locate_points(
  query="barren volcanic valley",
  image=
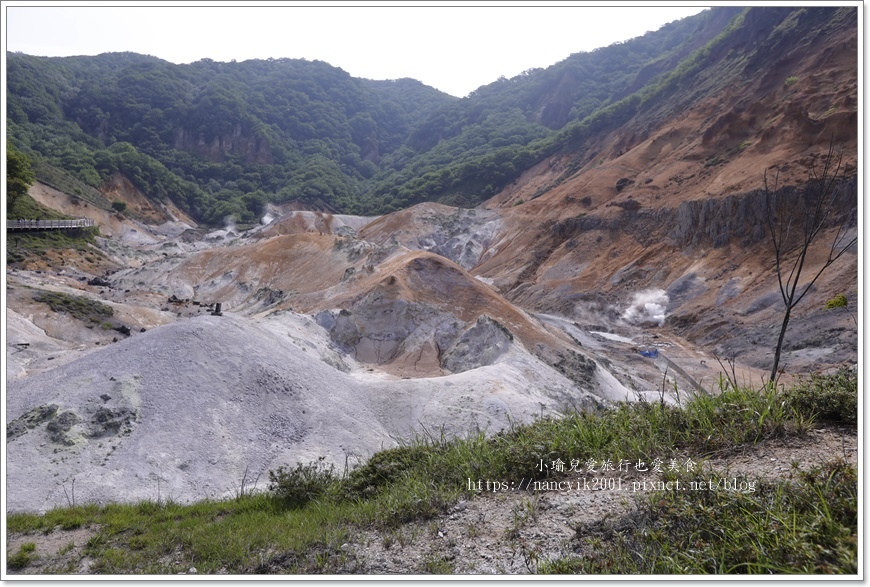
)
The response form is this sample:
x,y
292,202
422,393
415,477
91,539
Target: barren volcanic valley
x,y
175,358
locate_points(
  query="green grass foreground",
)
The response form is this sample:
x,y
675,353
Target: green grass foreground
x,y
807,524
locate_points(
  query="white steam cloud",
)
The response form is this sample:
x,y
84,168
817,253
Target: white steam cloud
x,y
270,213
647,307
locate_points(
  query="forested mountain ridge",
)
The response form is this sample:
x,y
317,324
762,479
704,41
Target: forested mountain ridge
x,y
225,139
217,138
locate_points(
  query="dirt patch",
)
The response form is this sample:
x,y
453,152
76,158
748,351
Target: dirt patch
x,y
58,552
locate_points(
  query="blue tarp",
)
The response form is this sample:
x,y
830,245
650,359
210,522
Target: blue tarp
x,y
650,353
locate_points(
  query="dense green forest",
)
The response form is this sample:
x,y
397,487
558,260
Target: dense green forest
x,y
221,139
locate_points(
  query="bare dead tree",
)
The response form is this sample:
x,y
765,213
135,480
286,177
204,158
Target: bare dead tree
x,y
796,221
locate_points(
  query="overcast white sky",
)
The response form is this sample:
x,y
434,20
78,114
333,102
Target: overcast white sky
x,y
452,46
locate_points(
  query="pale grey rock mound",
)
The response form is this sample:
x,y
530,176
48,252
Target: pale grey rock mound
x,y
187,407
187,410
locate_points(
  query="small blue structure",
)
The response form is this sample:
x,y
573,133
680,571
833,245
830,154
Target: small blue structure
x,y
650,353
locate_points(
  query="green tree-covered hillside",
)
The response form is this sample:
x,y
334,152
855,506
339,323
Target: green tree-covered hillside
x,y
222,139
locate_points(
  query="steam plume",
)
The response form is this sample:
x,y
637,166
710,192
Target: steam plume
x,y
270,212
647,307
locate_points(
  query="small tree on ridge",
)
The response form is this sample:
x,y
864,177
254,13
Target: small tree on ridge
x,y
795,221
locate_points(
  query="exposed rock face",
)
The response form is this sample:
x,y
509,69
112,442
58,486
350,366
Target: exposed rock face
x,y
463,236
109,421
379,330
59,428
69,428
739,219
254,149
576,367
718,221
743,217
480,345
31,419
623,183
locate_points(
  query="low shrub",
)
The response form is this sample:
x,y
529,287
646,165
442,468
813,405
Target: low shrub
x,y
838,301
302,484
24,557
829,398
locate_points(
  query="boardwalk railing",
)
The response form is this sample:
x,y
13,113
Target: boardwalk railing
x,y
27,224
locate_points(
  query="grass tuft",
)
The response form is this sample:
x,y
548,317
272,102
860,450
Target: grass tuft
x,y
25,556
302,484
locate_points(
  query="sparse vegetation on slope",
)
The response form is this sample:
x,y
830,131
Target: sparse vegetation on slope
x,y
26,207
90,311
23,246
813,515
806,525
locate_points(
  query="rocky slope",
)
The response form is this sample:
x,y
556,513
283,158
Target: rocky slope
x,y
670,200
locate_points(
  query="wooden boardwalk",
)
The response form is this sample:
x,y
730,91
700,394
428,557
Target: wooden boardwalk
x,y
29,224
